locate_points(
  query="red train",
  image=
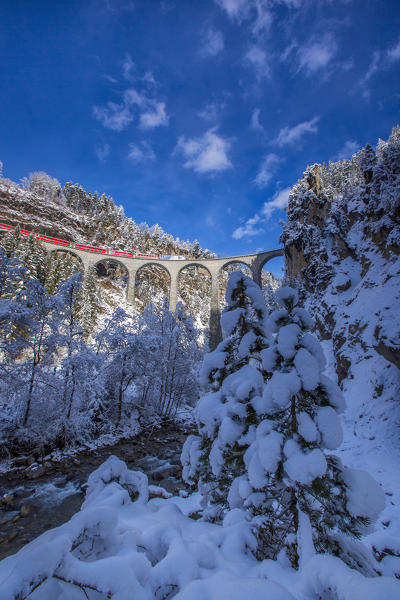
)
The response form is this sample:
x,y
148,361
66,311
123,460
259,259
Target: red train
x,y
58,242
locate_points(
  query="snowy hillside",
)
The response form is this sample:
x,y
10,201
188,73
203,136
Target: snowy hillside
x,y
342,244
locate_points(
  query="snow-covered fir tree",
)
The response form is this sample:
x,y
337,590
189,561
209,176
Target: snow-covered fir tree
x,y
292,479
90,301
225,415
265,433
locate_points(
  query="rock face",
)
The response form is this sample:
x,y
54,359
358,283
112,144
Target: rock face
x,y
342,244
342,240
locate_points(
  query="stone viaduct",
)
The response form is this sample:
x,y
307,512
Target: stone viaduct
x,y
213,265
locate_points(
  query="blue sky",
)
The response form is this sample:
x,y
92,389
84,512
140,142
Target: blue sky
x,y
198,115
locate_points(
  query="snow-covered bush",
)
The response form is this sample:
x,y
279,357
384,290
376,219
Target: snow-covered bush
x,y
121,545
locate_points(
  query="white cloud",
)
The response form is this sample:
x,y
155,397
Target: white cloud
x,y
288,50
141,153
394,52
134,100
257,12
212,43
348,149
250,229
257,58
102,152
236,9
205,154
374,66
256,225
113,116
316,55
155,117
380,61
267,170
278,202
290,135
255,121
131,96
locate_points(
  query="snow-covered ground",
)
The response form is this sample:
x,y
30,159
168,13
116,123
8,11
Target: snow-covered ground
x,y
122,545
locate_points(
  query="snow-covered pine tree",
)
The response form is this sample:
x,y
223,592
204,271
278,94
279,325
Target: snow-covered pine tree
x,y
90,301
33,255
10,241
60,266
225,415
291,483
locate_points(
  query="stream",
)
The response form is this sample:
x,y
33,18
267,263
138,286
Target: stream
x,y
29,506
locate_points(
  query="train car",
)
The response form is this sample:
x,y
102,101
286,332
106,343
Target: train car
x,y
86,248
6,227
147,256
52,240
90,248
121,253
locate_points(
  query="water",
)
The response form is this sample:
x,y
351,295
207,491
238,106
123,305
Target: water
x,y
54,497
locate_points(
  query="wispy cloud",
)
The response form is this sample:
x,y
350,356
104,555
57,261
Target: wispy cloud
x,y
291,135
347,150
141,153
256,12
278,202
255,121
128,68
113,116
256,225
154,117
206,154
267,169
250,229
102,152
316,55
212,111
256,57
137,102
212,43
394,52
380,60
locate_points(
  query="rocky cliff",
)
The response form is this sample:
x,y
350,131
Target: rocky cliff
x,y
342,241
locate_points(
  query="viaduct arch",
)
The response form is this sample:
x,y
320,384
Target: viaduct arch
x,y
213,265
